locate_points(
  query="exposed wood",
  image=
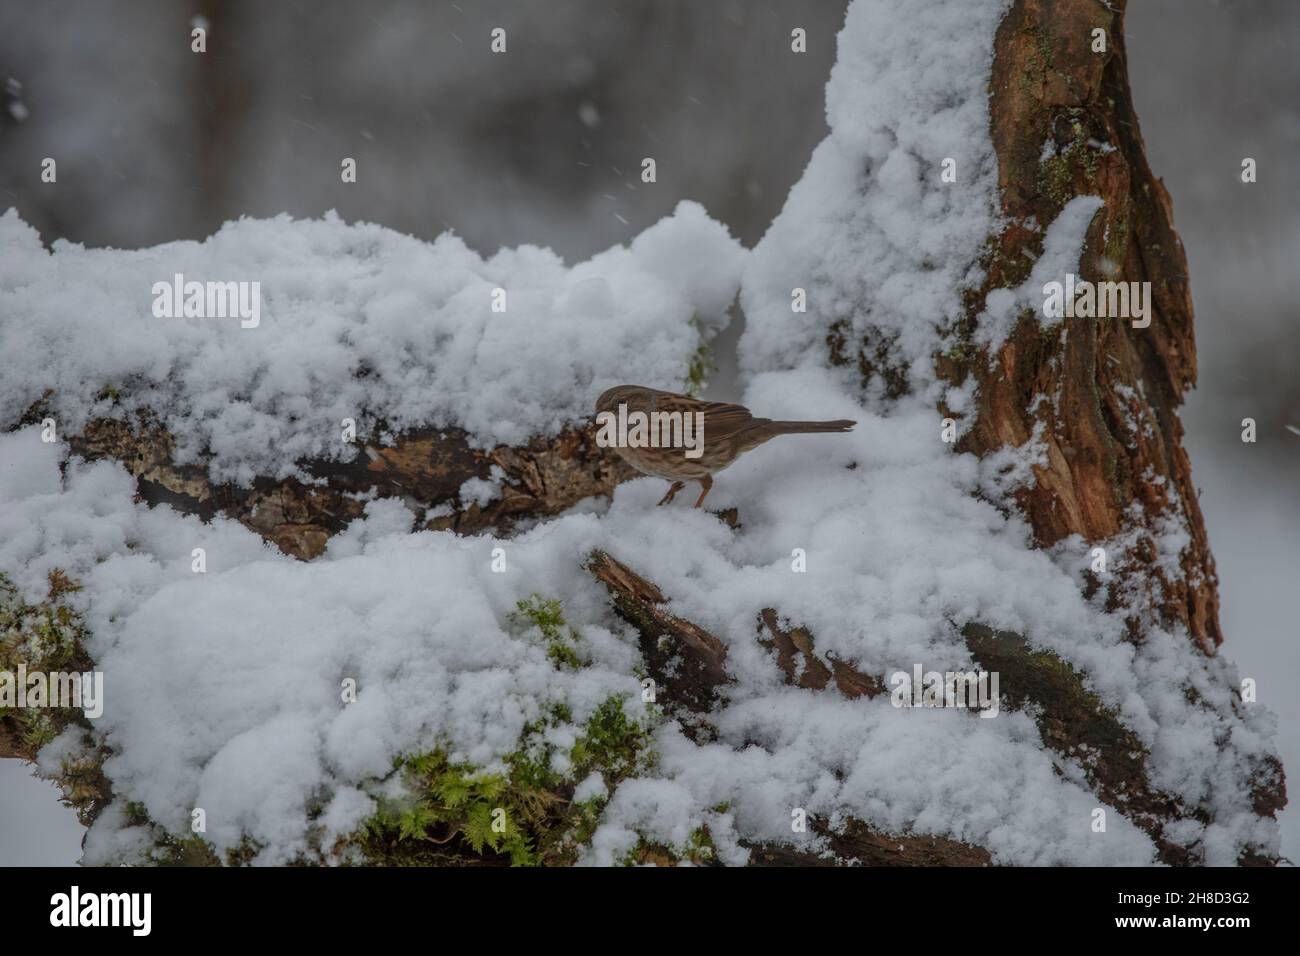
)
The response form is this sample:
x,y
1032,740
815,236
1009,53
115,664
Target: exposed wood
x,y
1111,426
425,468
858,843
803,668
687,663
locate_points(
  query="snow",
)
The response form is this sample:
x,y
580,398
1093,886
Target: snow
x,y
337,299
871,231
1062,246
590,788
223,688
898,546
39,829
482,491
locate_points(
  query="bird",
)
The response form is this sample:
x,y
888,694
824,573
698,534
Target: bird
x,y
728,432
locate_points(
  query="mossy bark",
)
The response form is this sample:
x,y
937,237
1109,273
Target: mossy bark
x,y
424,468
1111,427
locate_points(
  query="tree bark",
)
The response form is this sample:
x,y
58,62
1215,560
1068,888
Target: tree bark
x,y
1050,86
425,468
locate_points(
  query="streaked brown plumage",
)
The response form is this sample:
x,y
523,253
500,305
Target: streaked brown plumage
x,y
729,432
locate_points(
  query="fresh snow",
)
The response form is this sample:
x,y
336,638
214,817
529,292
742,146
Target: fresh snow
x,y
871,231
223,688
337,300
1062,246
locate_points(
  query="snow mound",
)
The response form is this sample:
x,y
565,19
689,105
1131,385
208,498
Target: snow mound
x,y
356,321
872,232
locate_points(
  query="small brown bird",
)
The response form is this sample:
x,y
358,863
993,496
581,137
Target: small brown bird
x,y
728,432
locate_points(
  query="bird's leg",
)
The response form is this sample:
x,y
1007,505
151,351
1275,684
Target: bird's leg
x,y
705,484
675,487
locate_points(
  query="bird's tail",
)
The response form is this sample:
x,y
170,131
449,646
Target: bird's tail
x,y
790,428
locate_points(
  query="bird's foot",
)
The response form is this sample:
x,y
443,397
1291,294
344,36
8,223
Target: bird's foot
x,y
675,487
706,483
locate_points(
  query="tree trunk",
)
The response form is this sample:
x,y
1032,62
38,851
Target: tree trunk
x,y
1106,379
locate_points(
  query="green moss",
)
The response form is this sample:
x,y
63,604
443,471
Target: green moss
x,y
701,365
135,814
562,642
1058,179
455,800
191,850
961,352
48,636
1040,61
453,812
698,849
188,850
611,741
1074,168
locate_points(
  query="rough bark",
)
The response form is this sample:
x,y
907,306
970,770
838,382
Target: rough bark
x,y
425,468
795,656
685,661
1074,723
867,847
1106,379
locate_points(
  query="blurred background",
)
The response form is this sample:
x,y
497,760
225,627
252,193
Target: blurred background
x,y
544,144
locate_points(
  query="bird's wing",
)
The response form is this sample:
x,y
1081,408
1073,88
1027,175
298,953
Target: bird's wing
x,y
722,419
